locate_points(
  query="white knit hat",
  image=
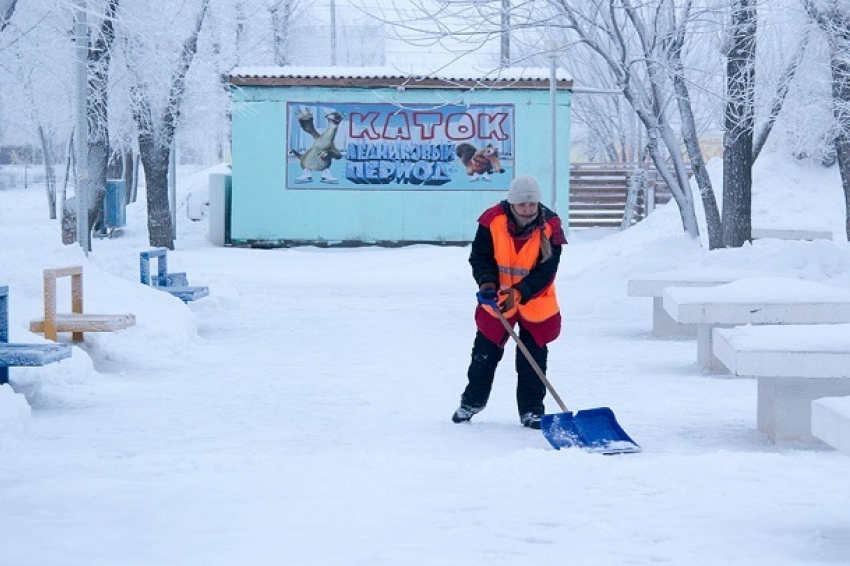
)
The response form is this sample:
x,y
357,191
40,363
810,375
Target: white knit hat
x,y
524,189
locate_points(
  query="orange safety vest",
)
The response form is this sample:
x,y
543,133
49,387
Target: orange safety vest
x,y
515,265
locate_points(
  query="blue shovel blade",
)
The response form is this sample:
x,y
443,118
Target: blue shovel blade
x,y
595,430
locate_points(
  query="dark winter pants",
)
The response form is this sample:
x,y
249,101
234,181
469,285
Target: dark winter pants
x,y
486,355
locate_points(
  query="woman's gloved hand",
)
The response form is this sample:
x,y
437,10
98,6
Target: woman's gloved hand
x,y
486,295
510,298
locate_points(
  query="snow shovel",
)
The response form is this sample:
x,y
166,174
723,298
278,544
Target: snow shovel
x,y
595,430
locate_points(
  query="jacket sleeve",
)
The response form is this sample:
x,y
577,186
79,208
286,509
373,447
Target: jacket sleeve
x,y
482,259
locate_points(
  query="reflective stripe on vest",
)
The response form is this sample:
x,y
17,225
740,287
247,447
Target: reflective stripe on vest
x,y
517,271
515,265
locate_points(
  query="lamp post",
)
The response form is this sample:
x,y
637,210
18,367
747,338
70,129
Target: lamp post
x,y
333,33
553,116
81,49
506,33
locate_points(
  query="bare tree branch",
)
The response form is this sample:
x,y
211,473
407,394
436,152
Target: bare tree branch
x,y
7,8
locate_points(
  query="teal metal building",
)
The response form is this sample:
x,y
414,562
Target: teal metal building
x,y
340,156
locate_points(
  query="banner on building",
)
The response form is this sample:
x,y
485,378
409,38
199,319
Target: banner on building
x,y
388,147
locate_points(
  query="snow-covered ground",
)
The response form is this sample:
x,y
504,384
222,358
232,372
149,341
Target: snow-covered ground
x,y
300,413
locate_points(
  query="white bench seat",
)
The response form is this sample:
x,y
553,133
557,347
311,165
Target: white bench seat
x,y
790,234
831,422
653,285
794,365
757,300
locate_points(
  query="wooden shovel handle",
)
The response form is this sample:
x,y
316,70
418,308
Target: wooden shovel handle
x,y
531,360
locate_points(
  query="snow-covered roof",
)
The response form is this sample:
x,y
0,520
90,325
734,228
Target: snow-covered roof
x,y
512,77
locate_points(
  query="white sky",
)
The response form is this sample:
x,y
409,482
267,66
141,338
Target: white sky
x,y
300,413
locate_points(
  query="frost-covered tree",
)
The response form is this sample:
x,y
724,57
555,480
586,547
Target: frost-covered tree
x,y
34,75
46,135
665,58
833,17
158,60
281,12
102,19
739,124
633,40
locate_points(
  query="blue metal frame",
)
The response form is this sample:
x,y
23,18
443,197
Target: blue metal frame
x,y
23,354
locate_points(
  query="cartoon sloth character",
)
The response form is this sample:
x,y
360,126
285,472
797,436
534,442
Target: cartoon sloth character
x,y
323,150
480,163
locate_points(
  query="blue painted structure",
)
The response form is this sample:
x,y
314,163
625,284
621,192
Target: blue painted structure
x,y
176,284
23,355
268,209
115,204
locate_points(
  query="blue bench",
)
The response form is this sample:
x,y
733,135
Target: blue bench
x,y
23,355
175,283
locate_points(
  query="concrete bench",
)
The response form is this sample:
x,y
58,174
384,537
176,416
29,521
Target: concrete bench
x,y
757,300
176,284
23,355
794,365
653,285
76,322
790,234
831,422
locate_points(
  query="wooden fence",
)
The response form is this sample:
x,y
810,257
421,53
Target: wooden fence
x,y
613,194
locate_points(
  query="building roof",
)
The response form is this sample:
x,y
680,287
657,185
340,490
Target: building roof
x,y
512,77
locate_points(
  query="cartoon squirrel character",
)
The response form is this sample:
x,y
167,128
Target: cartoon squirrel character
x,y
480,163
323,150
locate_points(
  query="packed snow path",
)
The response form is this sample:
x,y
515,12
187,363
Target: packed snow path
x,y
310,425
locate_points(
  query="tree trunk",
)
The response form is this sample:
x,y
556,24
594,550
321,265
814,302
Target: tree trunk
x,y
69,205
689,134
69,221
649,103
98,159
835,23
134,190
739,119
155,162
839,63
685,204
281,16
97,109
69,155
156,136
49,174
128,171
842,148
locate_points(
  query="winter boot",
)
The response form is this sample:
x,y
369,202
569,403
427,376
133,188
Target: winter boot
x,y
531,420
464,413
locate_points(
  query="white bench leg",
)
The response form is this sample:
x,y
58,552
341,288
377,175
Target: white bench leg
x,y
663,325
831,426
705,352
785,405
